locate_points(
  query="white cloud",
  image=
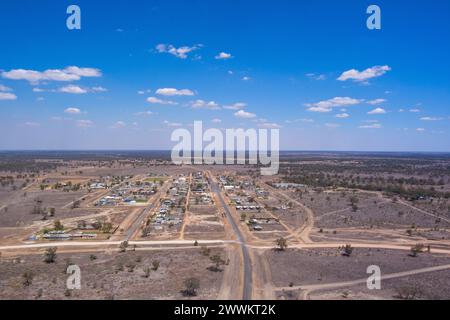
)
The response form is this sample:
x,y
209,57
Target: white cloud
x,y
72,89
377,111
376,101
172,124
332,125
216,120
362,76
420,129
327,105
268,125
431,118
201,104
7,96
84,123
244,114
83,72
342,115
98,89
246,78
315,76
235,106
181,52
72,111
4,88
371,126
72,73
174,92
223,56
414,110
155,100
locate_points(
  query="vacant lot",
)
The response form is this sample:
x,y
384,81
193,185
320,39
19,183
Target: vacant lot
x,y
111,276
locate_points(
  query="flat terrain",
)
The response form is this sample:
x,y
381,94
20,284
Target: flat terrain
x,y
309,232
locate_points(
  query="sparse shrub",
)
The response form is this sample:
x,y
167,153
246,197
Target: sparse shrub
x,y
123,246
50,255
281,244
191,287
27,278
416,249
347,250
146,272
155,265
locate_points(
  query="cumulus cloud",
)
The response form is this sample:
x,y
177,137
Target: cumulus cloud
x,y
72,73
72,111
377,111
414,110
376,101
72,89
235,106
174,92
342,115
4,88
246,78
327,105
223,56
181,52
216,120
362,76
155,100
201,104
7,96
420,129
244,114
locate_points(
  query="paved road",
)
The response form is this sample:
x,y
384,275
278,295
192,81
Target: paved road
x,y
247,294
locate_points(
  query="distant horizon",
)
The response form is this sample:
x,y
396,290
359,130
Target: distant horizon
x,y
168,150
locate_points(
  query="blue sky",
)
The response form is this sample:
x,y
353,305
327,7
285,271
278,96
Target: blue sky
x,y
137,70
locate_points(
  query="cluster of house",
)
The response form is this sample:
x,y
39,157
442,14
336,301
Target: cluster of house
x,y
169,213
200,190
227,183
129,194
